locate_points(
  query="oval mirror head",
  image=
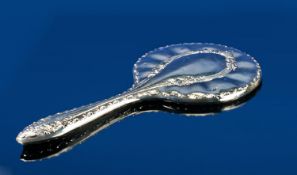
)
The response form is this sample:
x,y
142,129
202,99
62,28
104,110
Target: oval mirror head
x,y
197,73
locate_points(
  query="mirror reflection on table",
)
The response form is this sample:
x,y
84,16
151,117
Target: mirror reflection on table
x,y
57,146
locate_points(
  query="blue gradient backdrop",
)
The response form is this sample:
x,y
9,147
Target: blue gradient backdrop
x,y
55,55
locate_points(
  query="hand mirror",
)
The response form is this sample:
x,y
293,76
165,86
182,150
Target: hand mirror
x,y
184,74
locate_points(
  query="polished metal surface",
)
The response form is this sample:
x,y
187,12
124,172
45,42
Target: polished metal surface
x,y
185,74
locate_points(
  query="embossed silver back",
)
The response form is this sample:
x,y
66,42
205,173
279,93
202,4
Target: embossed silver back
x,y
187,74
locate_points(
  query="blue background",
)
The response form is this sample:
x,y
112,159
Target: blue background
x,y
55,55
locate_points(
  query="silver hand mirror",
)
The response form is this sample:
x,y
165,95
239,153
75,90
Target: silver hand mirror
x,y
183,74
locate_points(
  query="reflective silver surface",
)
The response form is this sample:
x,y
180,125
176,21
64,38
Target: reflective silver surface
x,y
187,74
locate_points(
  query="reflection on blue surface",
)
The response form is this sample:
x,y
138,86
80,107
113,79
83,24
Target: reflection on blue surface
x,y
54,54
56,146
